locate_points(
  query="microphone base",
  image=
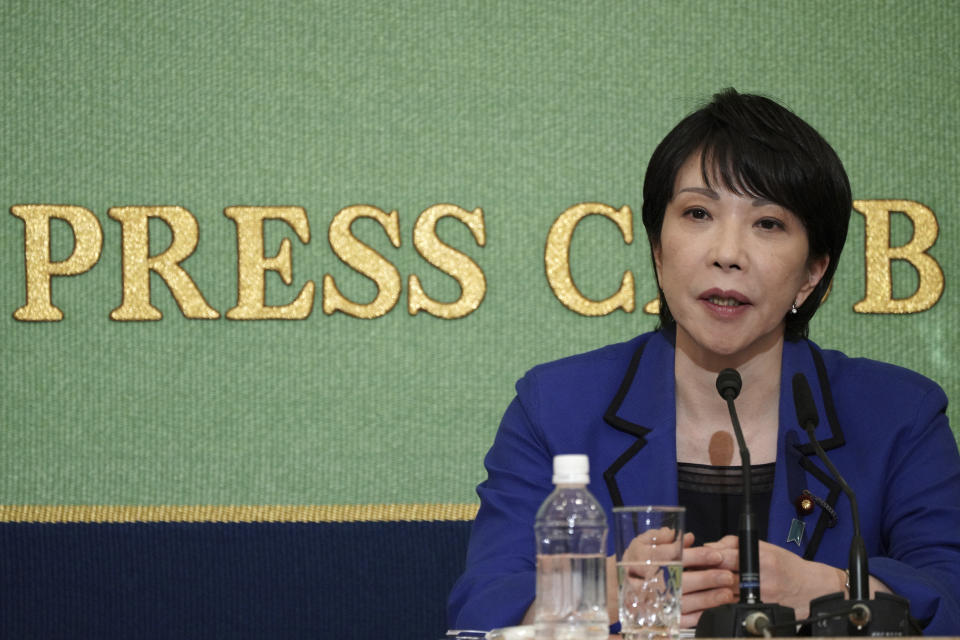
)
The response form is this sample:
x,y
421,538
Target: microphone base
x,y
889,615
731,620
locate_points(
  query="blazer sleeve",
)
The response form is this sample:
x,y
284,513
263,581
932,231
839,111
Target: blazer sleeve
x,y
499,583
921,559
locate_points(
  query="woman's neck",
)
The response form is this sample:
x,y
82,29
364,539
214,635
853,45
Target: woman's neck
x,y
704,431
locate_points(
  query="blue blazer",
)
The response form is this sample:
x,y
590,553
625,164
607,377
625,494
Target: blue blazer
x,y
884,427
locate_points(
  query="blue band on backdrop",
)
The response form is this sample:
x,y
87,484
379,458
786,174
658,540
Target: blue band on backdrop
x,y
228,580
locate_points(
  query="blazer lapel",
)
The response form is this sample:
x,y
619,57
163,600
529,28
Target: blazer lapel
x,y
644,407
796,470
646,472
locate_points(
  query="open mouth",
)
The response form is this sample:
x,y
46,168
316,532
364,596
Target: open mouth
x,y
724,302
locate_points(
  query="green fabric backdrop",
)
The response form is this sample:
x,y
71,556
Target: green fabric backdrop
x,y
521,109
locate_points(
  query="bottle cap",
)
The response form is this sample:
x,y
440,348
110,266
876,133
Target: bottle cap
x,y
571,469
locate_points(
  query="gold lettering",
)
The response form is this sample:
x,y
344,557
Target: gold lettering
x,y
652,307
252,264
87,243
557,260
473,284
879,255
364,260
137,263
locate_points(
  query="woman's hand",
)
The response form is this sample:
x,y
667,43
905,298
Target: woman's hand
x,y
709,577
785,577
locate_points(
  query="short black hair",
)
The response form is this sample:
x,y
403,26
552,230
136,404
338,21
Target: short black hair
x,y
757,147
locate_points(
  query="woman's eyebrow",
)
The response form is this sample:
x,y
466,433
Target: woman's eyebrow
x,y
710,193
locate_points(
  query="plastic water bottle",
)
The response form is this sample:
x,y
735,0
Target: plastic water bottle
x,y
571,531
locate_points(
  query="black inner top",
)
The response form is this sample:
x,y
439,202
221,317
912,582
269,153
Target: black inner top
x,y
713,497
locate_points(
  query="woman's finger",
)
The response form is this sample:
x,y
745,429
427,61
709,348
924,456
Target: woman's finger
x,y
705,580
702,557
694,604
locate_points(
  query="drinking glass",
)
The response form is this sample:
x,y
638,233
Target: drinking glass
x,y
649,543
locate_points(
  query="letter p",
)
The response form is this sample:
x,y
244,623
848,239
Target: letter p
x,y
88,241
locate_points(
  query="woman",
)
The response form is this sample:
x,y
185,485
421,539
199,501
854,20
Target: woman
x,y
746,208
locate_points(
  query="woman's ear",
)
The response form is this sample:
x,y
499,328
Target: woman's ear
x,y
816,267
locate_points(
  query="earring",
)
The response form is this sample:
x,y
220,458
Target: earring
x,y
793,309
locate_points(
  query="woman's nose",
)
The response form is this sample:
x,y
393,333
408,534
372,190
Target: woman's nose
x,y
728,248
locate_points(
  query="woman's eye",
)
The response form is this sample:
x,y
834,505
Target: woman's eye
x,y
770,224
697,213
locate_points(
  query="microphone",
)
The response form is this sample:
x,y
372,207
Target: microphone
x,y
808,418
892,617
729,385
750,616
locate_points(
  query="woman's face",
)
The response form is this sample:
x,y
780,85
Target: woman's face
x,y
730,267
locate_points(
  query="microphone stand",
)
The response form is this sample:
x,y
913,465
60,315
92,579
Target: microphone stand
x,y
832,614
750,616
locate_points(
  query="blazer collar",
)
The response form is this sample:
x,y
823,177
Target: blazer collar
x,y
646,398
645,407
